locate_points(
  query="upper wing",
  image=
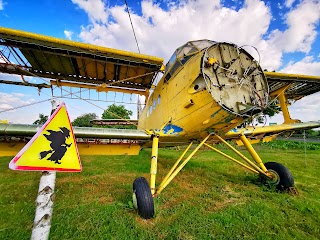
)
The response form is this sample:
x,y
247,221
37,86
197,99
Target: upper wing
x,y
59,59
297,85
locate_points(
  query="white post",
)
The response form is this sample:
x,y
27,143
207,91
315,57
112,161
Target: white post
x,y
44,202
44,208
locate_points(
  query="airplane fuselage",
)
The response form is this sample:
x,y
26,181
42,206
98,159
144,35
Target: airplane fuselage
x,y
211,91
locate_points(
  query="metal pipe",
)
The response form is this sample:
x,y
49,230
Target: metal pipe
x,y
231,158
172,176
252,152
175,165
284,108
154,163
242,156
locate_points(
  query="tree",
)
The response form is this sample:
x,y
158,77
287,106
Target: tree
x,y
84,120
116,112
42,119
272,109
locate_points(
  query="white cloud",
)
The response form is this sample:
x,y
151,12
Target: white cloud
x,y
1,4
305,109
5,106
95,8
14,99
301,32
160,32
68,34
306,66
289,3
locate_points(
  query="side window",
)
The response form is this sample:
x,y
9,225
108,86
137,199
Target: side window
x,y
168,76
159,99
154,104
150,110
175,67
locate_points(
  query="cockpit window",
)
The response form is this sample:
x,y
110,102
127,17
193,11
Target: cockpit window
x,y
186,49
171,61
183,54
201,44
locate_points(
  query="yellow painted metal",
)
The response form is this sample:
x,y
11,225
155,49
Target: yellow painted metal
x,y
252,141
269,138
178,169
250,131
276,93
288,76
154,163
231,158
175,94
241,155
212,61
100,88
37,38
280,94
108,149
175,165
163,67
12,148
285,110
252,152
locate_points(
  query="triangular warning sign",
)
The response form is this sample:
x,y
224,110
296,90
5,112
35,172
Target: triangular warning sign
x,y
53,148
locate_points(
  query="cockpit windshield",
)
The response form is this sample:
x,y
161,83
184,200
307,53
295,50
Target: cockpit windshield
x,y
183,54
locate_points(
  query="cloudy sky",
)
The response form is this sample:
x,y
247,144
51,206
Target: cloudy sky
x,y
286,34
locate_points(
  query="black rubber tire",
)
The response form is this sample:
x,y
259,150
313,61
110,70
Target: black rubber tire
x,y
145,204
286,180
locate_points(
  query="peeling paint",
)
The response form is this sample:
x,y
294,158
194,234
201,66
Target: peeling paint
x,y
171,129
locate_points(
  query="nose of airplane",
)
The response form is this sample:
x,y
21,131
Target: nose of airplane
x,y
234,79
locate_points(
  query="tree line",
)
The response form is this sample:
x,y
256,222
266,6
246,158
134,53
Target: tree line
x,y
112,112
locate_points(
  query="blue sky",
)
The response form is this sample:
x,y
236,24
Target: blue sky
x,y
286,33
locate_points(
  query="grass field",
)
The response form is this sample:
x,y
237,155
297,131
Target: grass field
x,y
212,198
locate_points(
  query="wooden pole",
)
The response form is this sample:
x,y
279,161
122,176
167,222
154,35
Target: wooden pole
x,y
44,206
44,201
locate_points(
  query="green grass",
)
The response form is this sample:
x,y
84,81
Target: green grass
x,y
211,198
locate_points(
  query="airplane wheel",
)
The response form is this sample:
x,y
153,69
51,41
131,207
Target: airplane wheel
x,y
283,178
142,198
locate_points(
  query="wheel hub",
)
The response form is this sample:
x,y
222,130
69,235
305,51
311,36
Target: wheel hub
x,y
134,200
274,177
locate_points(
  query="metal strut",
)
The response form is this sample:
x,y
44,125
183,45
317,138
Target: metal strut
x,y
175,169
260,169
154,163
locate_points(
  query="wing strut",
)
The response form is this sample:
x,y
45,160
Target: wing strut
x,y
280,94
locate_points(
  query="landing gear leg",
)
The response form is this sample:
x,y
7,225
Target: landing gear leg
x,y
143,193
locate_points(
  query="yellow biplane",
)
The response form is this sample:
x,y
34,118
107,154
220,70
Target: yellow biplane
x,y
208,89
